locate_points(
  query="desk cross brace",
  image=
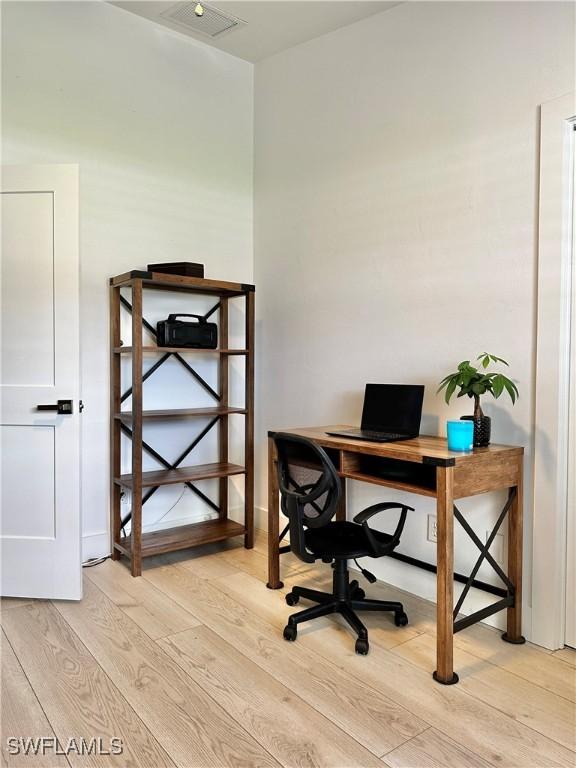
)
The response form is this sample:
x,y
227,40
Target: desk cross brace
x,y
508,594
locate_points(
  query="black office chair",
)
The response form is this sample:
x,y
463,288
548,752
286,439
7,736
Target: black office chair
x,y
310,494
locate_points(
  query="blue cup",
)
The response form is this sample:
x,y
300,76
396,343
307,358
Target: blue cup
x,y
460,435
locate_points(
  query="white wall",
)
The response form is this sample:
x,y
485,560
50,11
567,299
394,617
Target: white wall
x,y
395,216
162,129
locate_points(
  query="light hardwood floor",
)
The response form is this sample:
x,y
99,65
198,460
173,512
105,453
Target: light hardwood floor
x,y
187,666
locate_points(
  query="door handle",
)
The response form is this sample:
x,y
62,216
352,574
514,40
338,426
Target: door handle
x,y
62,406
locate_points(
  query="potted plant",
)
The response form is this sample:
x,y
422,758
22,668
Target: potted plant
x,y
476,382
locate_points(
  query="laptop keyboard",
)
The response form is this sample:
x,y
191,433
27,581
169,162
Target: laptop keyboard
x,y
380,435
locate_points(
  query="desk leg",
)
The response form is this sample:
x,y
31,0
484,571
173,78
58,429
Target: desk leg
x,y
513,632
445,577
273,521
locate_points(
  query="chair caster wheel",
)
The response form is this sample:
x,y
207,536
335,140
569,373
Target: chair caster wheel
x,y
362,646
290,632
400,619
292,599
359,594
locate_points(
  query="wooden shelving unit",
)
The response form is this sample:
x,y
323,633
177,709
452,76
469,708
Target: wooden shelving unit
x,y
142,485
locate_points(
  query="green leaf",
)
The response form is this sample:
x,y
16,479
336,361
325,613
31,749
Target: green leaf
x,y
450,390
497,385
445,381
510,388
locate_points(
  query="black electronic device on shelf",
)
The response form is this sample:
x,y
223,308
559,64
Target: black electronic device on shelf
x,y
179,333
183,268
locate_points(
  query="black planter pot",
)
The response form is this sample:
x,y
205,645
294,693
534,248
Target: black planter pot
x,y
482,428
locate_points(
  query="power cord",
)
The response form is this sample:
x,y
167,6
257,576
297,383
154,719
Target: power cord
x,y
159,520
178,500
92,561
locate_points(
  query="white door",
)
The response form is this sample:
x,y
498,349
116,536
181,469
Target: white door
x,y
40,449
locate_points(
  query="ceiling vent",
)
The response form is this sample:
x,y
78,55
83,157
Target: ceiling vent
x,y
211,23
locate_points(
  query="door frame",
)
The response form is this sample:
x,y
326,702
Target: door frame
x,y
570,601
551,416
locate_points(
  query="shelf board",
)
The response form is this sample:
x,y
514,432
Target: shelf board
x,y
184,536
178,413
164,281
153,350
182,474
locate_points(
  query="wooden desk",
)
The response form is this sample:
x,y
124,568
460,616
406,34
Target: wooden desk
x,y
426,467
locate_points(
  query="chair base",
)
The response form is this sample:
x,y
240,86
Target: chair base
x,y
346,598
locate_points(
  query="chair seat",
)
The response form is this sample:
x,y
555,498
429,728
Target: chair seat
x,y
339,540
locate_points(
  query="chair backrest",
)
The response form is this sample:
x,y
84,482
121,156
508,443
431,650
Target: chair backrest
x,y
309,486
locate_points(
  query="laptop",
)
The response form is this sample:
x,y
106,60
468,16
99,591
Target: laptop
x,y
391,412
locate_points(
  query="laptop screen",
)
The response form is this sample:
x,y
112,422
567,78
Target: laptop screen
x,y
393,408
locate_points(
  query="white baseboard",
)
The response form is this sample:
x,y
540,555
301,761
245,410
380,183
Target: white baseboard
x,y
260,517
95,545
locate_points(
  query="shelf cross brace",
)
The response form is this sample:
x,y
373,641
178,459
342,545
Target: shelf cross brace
x,y
210,312
151,330
167,465
146,375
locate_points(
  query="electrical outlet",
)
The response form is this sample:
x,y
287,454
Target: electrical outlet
x,y
432,528
497,547
125,498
